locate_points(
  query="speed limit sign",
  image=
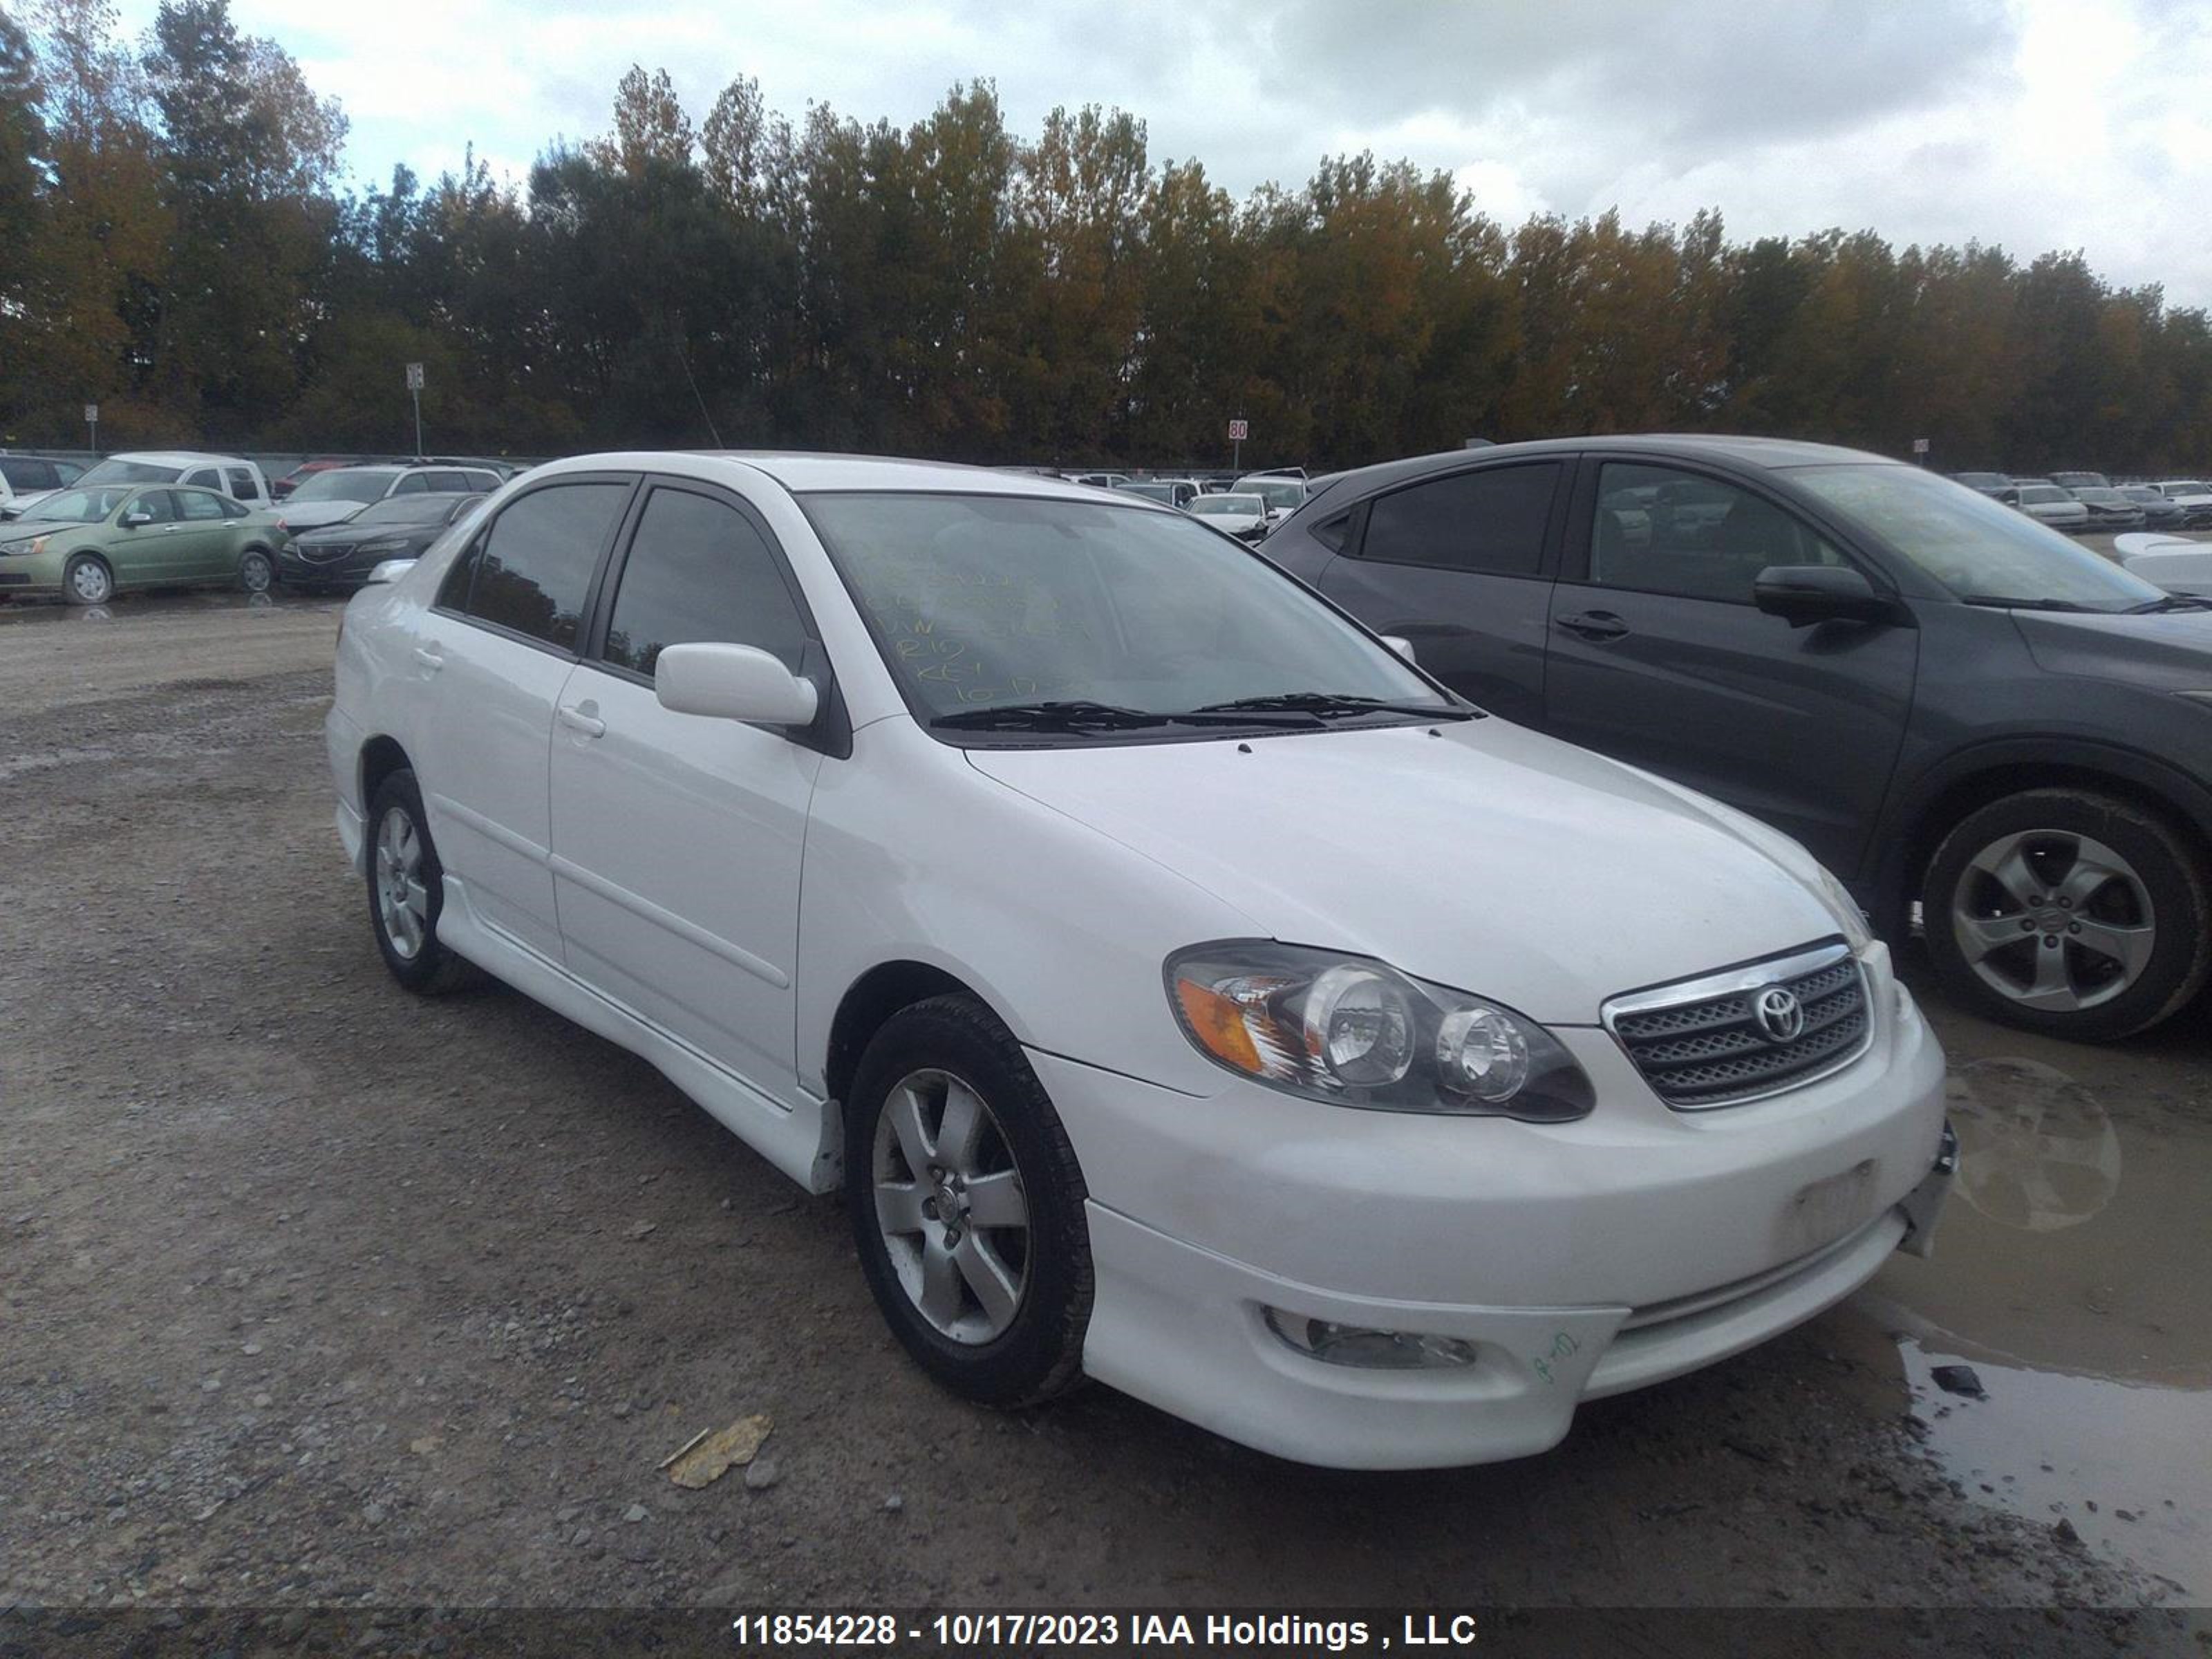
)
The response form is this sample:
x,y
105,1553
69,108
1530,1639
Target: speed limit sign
x,y
1239,431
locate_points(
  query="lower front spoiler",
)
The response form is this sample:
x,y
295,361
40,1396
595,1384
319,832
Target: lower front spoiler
x,y
1186,1330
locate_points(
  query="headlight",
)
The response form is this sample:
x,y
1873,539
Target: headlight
x,y
387,544
1856,932
1354,1032
31,549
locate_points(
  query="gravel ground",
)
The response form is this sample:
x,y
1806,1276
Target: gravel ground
x,y
313,1294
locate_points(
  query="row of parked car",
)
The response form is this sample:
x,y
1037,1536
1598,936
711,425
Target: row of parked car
x,y
1246,506
170,519
2084,501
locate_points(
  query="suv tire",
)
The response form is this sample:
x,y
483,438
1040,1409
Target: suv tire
x,y
2068,912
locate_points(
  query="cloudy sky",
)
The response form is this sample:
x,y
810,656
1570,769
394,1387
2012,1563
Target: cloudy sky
x,y
2035,123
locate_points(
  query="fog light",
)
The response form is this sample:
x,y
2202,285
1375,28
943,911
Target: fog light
x,y
1362,1346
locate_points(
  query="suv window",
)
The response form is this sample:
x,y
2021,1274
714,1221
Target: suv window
x,y
199,507
1492,521
698,570
1658,531
535,568
411,484
23,472
242,484
206,478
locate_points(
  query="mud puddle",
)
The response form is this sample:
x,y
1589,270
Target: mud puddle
x,y
2072,1275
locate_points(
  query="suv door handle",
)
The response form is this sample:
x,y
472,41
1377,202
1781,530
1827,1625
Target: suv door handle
x,y
576,720
430,659
1599,625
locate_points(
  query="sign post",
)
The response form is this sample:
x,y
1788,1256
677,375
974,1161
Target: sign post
x,y
414,390
1920,451
1239,430
92,427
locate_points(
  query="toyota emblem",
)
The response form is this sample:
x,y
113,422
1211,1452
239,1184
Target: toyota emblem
x,y
1780,1015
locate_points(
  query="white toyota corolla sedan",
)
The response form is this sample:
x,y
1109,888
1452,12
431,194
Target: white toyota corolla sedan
x,y
1183,988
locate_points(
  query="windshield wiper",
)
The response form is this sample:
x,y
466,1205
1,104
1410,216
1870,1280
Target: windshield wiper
x,y
2171,602
2004,603
1326,703
1080,714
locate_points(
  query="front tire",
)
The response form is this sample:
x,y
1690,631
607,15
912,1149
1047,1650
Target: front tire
x,y
407,890
88,581
2071,913
966,1204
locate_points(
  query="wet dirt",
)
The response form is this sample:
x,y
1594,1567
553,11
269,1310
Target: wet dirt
x,y
2074,1275
314,1294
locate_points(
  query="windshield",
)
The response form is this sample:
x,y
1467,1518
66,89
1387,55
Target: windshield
x,y
2102,498
1276,492
981,601
2186,487
131,472
345,484
1230,506
2044,493
1986,480
1975,547
78,506
1150,492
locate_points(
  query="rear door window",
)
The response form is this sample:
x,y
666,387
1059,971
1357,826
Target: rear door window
x,y
198,506
243,484
534,573
1492,521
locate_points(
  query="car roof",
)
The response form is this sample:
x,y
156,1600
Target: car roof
x,y
1775,454
173,457
802,472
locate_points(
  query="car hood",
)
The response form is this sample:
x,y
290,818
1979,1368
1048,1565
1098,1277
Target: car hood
x,y
2172,648
1486,857
311,515
352,533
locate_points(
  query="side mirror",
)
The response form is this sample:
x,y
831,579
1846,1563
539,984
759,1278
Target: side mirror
x,y
1401,645
1803,594
732,683
136,520
388,570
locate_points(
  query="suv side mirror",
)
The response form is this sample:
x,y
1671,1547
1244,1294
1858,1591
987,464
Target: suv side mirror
x,y
1803,594
136,519
732,683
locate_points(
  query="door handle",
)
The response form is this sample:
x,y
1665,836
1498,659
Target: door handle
x,y
577,720
430,659
1600,625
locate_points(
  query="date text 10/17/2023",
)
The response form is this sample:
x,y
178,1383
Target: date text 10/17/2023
x,y
1241,1632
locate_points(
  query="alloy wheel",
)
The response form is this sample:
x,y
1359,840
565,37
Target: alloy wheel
x,y
2053,920
950,1206
403,903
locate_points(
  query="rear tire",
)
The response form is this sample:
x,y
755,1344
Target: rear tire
x,y
257,573
982,1270
407,892
2071,913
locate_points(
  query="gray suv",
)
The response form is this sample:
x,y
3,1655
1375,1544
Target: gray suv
x,y
1945,701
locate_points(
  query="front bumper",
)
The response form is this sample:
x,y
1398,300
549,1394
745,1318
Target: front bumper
x,y
1577,1260
347,570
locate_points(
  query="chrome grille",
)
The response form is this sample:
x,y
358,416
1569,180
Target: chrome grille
x,y
1699,1043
